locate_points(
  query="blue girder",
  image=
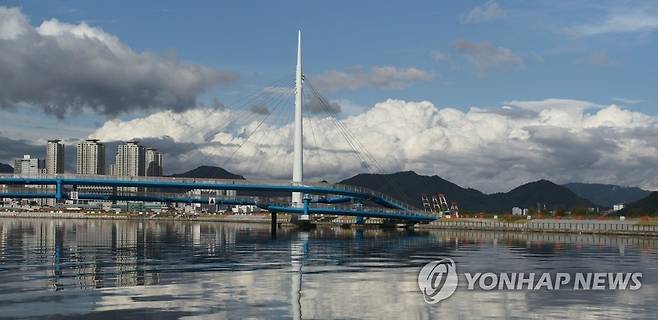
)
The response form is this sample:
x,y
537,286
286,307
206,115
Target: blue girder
x,y
341,193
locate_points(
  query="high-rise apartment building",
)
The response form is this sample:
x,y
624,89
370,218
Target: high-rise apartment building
x,y
130,159
111,170
91,157
55,157
153,162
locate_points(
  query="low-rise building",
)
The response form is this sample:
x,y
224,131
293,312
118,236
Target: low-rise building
x,y
28,166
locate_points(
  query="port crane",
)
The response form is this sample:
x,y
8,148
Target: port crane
x,y
439,205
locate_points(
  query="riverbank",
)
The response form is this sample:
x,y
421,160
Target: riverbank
x,y
629,227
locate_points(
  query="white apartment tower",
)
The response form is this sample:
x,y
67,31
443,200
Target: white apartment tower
x,y
91,157
55,157
153,162
130,159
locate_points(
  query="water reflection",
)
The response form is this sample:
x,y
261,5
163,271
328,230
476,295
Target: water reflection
x,y
85,268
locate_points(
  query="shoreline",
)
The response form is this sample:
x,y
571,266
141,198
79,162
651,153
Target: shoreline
x,y
630,227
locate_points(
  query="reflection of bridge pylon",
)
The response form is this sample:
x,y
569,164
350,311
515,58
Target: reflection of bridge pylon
x,y
299,251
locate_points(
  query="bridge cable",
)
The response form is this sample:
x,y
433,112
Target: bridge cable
x,y
317,148
249,101
252,133
357,146
241,117
261,136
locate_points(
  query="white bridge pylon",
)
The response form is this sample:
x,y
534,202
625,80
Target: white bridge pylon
x,y
298,159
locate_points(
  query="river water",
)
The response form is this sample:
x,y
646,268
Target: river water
x,y
102,269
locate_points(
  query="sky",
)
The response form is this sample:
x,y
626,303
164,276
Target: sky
x,y
488,94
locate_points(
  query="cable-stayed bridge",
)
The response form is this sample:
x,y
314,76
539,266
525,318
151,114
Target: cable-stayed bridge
x,y
318,198
307,198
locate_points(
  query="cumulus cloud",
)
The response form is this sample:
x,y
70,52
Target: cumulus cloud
x,y
386,77
626,20
484,57
492,149
67,68
189,126
489,11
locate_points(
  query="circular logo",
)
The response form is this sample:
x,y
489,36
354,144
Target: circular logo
x,y
437,280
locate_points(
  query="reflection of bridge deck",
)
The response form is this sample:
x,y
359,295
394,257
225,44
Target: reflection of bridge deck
x,y
331,195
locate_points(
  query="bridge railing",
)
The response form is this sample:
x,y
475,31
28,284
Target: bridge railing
x,y
341,187
373,209
352,207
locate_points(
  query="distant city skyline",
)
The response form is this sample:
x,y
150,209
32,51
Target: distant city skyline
x,y
129,159
489,94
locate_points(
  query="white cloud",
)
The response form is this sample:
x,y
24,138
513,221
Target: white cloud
x,y
485,57
626,101
492,149
12,24
188,126
489,11
66,68
550,104
350,108
638,19
386,77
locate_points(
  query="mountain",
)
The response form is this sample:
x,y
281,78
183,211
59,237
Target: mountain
x,y
409,186
5,168
607,195
543,192
645,206
211,172
208,172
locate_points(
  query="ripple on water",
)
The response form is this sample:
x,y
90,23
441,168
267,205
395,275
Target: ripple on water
x,y
105,269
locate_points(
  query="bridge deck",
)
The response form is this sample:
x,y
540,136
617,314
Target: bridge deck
x,y
401,210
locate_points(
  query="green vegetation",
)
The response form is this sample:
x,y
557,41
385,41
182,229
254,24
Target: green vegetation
x,y
647,206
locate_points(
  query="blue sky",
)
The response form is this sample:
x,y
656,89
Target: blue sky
x,y
489,94
256,39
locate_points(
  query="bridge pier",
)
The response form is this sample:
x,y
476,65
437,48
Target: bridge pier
x,y
307,201
297,219
58,191
273,224
114,195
